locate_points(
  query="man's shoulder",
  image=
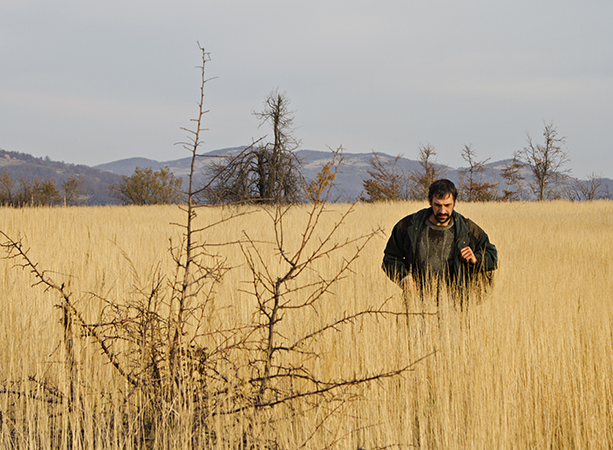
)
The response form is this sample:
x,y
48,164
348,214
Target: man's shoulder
x,y
416,217
472,227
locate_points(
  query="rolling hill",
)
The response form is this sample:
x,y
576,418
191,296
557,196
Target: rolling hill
x,y
97,179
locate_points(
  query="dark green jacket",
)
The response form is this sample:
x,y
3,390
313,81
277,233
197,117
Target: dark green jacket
x,y
399,258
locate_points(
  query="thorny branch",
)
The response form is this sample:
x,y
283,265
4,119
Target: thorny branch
x,y
334,385
15,250
159,338
275,297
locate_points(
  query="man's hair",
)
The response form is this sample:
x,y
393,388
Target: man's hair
x,y
441,189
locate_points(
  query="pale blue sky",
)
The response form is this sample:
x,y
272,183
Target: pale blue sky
x,y
92,82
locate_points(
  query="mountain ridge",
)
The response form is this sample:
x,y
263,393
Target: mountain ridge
x,y
352,173
98,178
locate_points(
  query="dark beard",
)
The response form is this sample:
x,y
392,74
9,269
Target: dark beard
x,y
441,218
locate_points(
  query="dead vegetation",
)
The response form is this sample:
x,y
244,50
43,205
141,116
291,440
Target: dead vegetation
x,y
176,368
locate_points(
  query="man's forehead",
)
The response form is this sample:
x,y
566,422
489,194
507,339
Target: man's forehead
x,y
443,200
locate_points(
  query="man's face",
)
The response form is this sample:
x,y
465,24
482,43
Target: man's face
x,y
442,207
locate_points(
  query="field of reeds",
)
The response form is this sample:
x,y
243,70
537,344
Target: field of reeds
x,y
529,367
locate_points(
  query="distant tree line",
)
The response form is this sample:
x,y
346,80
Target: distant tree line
x,y
24,169
269,172
544,163
22,191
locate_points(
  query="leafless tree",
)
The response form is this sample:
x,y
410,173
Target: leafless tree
x,y
472,186
74,191
6,188
589,189
546,162
511,173
385,183
179,373
151,336
283,291
268,173
420,180
317,190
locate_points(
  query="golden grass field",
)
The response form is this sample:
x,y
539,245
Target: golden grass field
x,y
529,368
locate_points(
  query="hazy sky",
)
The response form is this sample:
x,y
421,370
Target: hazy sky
x,y
95,81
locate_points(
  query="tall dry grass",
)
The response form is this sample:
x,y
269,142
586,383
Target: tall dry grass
x,y
531,367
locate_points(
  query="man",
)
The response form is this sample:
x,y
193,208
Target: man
x,y
438,246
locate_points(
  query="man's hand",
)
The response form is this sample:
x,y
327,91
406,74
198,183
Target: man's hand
x,y
467,255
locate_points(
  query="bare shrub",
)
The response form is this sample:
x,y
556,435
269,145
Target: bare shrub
x,y
589,189
421,179
546,163
513,177
472,186
317,190
180,376
384,182
261,173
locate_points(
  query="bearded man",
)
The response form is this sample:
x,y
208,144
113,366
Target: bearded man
x,y
439,247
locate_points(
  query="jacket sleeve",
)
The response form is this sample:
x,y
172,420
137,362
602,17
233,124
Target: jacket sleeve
x,y
485,252
394,256
489,258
